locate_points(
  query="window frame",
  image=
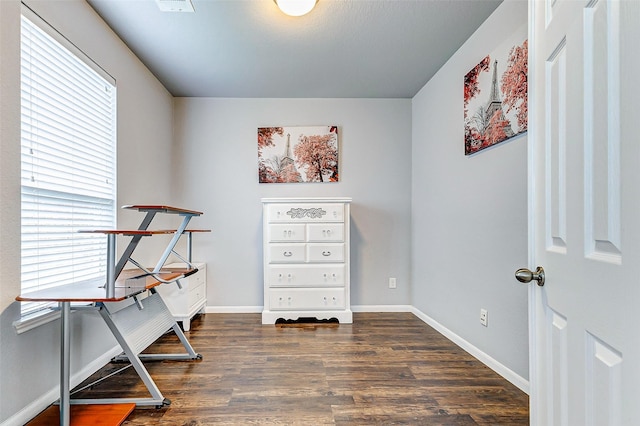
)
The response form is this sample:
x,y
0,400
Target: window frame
x,y
47,312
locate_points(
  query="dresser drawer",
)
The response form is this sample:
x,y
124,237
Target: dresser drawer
x,y
325,232
287,232
320,299
185,302
198,278
329,252
305,212
305,276
196,295
287,253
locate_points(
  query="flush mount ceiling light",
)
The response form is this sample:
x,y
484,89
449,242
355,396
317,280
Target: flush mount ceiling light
x,y
296,7
175,5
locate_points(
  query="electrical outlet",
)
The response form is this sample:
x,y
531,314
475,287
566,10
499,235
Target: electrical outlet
x,y
392,283
484,317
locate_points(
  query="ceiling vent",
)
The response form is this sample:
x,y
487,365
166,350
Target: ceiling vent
x,y
175,5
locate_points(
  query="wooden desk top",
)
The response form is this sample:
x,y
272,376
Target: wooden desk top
x,y
144,233
129,232
94,291
162,209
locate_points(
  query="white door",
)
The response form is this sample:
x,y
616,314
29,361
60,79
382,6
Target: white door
x,y
584,159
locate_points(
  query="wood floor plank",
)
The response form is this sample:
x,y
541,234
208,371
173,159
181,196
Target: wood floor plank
x,y
385,368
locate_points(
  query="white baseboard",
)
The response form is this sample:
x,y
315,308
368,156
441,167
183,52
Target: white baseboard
x,y
382,308
36,407
258,309
515,379
233,309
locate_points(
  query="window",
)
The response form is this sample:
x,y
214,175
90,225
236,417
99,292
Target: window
x,y
68,138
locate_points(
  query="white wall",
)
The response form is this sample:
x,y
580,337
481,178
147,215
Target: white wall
x,y
216,156
29,362
470,213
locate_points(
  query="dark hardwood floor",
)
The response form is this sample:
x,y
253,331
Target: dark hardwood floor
x,y
385,368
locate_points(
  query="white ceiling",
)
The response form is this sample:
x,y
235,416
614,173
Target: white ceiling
x,y
342,49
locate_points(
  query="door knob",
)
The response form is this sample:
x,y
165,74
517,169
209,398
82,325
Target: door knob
x,y
524,275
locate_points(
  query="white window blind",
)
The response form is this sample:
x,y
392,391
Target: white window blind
x,y
68,128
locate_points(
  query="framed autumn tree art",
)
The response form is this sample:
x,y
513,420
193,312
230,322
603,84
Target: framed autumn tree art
x,y
495,96
298,154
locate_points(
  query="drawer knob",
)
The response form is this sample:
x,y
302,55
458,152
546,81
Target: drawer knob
x,y
287,254
326,253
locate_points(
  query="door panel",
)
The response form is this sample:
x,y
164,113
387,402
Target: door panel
x,y
558,371
585,165
602,130
556,141
604,383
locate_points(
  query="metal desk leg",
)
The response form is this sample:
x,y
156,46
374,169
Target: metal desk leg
x,y
65,362
173,242
111,266
133,243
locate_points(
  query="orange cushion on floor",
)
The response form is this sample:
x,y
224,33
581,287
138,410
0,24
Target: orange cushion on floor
x,y
95,414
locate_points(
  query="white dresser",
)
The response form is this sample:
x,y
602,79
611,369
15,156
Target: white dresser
x,y
187,301
306,259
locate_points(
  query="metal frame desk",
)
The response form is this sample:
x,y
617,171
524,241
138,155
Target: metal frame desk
x,y
134,326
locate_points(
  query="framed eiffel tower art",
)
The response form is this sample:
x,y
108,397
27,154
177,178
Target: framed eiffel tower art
x,y
298,154
495,96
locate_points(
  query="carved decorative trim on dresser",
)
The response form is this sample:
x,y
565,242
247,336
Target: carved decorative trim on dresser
x,y
306,259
